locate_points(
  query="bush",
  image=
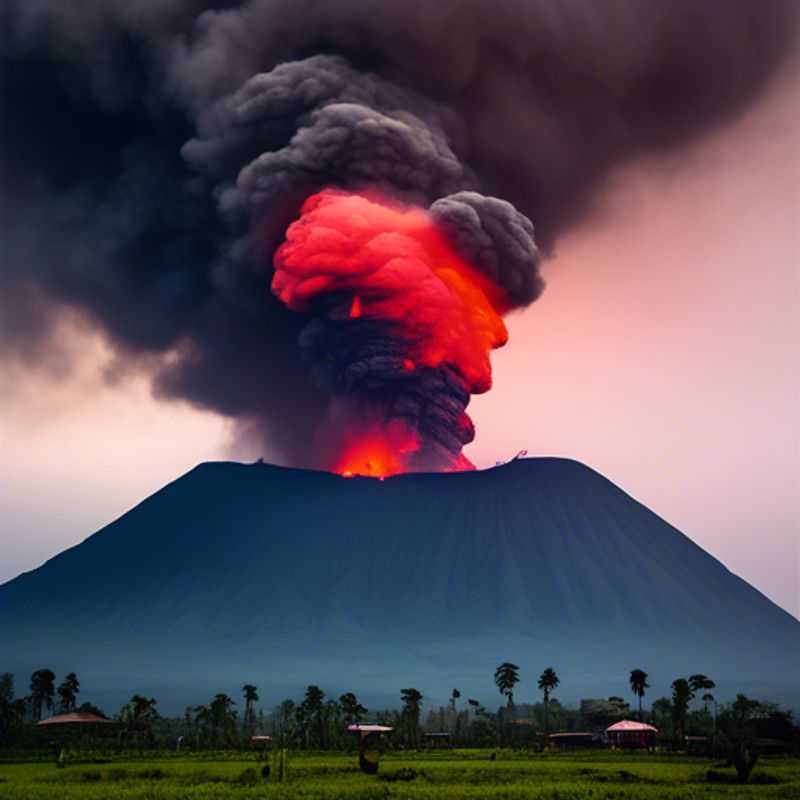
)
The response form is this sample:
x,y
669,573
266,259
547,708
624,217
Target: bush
x,y
248,778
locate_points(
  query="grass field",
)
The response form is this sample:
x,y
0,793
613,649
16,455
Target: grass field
x,y
457,774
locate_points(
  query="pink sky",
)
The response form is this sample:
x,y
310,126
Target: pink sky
x,y
664,353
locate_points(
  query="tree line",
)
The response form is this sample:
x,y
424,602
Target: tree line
x,y
317,721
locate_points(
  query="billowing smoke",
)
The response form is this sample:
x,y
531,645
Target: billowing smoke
x,y
403,327
154,154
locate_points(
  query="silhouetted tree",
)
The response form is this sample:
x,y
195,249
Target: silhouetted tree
x,y
506,677
12,710
739,732
698,683
332,724
681,697
454,695
638,681
352,710
42,691
548,681
284,722
312,716
250,693
68,692
412,706
222,715
139,715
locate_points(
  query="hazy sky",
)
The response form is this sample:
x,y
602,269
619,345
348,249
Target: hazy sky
x,y
664,353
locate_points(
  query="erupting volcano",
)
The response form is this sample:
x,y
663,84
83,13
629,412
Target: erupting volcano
x,y
401,330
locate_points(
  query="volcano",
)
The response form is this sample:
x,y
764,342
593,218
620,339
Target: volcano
x,y
254,573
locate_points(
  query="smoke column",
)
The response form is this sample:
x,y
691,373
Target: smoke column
x,y
405,328
168,168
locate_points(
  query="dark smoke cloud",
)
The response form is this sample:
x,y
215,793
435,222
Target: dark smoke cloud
x,y
492,235
139,141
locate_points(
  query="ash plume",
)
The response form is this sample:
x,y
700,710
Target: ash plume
x,y
153,155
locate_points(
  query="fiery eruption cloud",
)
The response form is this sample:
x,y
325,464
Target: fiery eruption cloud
x,y
401,330
154,162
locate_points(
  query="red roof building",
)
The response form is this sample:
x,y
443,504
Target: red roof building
x,y
629,733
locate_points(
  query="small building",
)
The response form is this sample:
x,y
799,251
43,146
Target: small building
x,y
437,741
79,725
568,741
369,745
629,733
258,740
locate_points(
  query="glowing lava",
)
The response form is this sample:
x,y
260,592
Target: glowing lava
x,y
377,452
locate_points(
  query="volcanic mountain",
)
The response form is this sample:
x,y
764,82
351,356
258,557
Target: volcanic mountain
x,y
255,573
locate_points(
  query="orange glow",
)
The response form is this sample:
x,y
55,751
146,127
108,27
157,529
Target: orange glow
x,y
355,308
377,452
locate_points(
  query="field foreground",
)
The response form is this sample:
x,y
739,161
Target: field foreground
x,y
457,774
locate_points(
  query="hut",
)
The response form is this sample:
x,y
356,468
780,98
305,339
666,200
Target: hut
x,y
258,741
369,745
629,733
78,726
76,721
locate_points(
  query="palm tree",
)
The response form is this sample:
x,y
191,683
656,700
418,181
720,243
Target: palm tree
x,y
548,681
352,710
250,693
681,697
412,705
506,677
222,716
453,697
700,682
68,692
42,691
139,715
312,708
638,681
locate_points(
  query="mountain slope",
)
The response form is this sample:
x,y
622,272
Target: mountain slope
x,y
238,572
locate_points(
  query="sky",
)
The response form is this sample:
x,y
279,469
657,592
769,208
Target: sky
x,y
663,354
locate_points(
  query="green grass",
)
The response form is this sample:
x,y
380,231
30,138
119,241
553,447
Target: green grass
x,y
458,774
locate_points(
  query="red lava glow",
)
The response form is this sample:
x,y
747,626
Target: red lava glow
x,y
377,452
399,267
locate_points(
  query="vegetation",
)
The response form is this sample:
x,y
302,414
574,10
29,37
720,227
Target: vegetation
x,y
42,691
473,774
638,682
68,693
735,736
548,681
506,677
